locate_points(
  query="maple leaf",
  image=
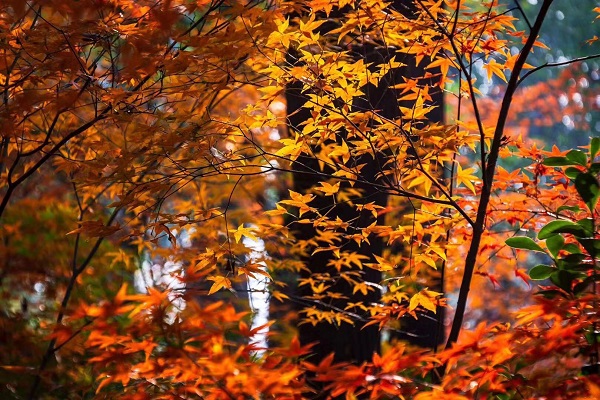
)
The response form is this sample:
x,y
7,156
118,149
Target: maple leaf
x,y
241,231
328,188
334,249
95,229
280,295
220,282
537,43
282,26
143,116
279,210
466,177
425,298
510,63
371,207
299,200
381,265
292,148
62,334
295,349
421,179
444,63
419,110
341,151
159,228
361,287
494,68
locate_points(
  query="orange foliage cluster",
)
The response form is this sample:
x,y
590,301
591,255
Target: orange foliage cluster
x,y
145,170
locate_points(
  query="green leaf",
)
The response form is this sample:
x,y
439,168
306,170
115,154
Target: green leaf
x,y
563,279
588,188
519,365
577,157
594,168
594,147
568,208
592,246
541,272
523,242
572,248
592,337
570,261
583,285
588,225
572,172
561,226
581,269
555,243
557,162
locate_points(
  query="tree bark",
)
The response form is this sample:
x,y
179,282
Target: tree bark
x,y
353,343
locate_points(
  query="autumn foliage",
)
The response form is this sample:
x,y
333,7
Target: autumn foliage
x,y
147,168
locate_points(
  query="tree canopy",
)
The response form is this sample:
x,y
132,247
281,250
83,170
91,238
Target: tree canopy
x,y
217,199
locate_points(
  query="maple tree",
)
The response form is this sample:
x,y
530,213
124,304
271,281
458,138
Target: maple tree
x,y
151,176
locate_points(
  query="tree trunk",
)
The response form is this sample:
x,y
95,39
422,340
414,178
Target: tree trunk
x,y
353,343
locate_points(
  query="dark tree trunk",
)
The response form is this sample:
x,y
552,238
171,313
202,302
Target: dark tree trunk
x,y
352,343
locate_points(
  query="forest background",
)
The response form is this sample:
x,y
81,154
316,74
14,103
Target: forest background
x,y
299,199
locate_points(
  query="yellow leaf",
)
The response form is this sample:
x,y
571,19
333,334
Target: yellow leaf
x,y
427,304
382,264
443,62
371,207
241,231
291,148
422,179
300,201
219,283
328,188
466,177
361,287
278,211
334,249
423,300
282,26
414,302
280,295
319,288
427,260
419,110
341,151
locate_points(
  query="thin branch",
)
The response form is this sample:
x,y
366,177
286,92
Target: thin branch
x,y
557,64
73,335
486,192
518,4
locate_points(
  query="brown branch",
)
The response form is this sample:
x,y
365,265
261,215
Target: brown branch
x,y
486,192
557,64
